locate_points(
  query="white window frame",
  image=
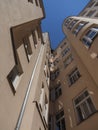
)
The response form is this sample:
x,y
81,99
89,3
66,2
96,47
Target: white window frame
x,y
87,39
60,120
65,51
84,106
68,60
73,76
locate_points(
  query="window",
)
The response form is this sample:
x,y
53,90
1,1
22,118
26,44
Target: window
x,y
45,69
27,47
63,45
79,27
50,122
91,4
58,91
36,2
54,74
43,104
65,51
40,4
89,37
91,13
67,22
56,61
34,38
47,78
30,1
72,24
60,120
83,13
84,106
14,78
38,32
96,4
68,60
73,76
96,15
45,109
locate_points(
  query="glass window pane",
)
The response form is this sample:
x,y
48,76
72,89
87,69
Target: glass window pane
x,y
79,114
91,106
85,109
58,126
63,124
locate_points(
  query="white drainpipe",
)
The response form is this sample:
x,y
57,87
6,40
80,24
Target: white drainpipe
x,y
27,92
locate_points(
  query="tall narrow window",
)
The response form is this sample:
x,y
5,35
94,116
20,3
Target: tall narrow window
x,y
60,120
36,2
73,76
68,60
42,98
58,90
34,38
27,47
84,106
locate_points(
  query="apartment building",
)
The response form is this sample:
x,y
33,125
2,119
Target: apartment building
x,y
35,83
24,72
91,10
74,74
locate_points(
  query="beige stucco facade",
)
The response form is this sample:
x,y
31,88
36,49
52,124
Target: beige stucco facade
x,y
73,104
42,89
23,64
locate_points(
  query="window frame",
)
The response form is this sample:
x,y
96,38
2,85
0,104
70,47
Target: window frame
x,y
67,22
14,77
62,117
79,27
65,51
68,60
27,47
73,76
58,91
87,40
72,24
83,105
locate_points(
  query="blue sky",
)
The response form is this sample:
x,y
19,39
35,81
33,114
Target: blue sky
x,y
56,11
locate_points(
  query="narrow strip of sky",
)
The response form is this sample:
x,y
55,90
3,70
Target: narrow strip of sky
x,y
56,12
